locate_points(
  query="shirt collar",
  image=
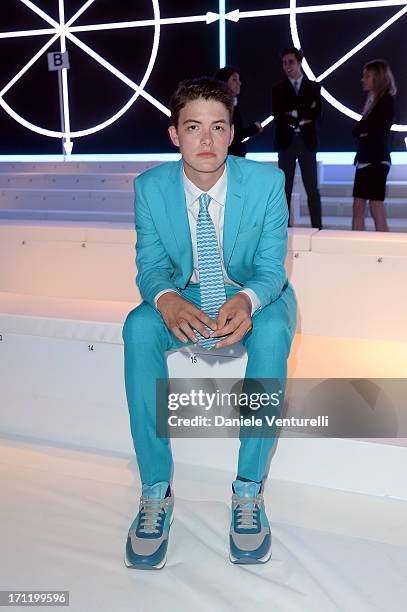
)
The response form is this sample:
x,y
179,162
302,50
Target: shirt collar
x,y
299,81
217,192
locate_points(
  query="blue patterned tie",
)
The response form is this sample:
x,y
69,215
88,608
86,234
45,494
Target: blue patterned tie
x,y
212,287
296,87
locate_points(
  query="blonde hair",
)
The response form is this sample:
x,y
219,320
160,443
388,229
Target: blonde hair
x,y
383,83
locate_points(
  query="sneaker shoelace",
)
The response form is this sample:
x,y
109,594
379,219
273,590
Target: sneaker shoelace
x,y
150,514
247,513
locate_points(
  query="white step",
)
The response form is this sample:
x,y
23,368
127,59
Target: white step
x,y
66,199
30,180
345,223
80,216
395,207
395,189
338,172
83,167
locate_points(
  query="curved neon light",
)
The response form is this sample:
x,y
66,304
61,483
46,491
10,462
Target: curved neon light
x,y
64,32
307,69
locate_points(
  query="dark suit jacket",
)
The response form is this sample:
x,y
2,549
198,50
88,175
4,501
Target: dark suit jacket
x,y
373,132
238,147
285,99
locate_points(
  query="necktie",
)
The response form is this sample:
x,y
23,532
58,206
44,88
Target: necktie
x,y
211,283
296,87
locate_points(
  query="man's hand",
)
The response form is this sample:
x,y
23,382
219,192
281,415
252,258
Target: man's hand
x,y
180,316
234,320
259,126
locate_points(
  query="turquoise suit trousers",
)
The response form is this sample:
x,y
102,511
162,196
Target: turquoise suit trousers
x,y
146,339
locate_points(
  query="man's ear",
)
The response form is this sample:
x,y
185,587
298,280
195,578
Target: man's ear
x,y
172,131
232,133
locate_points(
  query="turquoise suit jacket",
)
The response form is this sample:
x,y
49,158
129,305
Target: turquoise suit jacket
x,y
254,235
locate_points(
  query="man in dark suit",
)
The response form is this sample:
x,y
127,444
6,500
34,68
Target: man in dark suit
x,y
296,106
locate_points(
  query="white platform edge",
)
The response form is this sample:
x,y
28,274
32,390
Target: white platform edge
x,y
342,464
354,466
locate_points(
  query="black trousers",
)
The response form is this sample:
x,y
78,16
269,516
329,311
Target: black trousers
x,y
308,165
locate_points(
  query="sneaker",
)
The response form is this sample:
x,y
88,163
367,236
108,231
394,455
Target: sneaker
x,y
147,541
250,535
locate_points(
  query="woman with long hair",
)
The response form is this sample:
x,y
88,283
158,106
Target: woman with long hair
x,y
231,76
373,152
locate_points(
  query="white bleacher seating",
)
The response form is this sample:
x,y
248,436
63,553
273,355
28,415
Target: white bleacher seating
x,y
65,289
103,192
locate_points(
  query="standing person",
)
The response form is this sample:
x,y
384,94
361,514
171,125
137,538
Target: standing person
x,y
372,158
231,77
211,245
296,106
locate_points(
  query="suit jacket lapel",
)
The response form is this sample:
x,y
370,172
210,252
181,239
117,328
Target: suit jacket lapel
x,y
176,209
304,85
288,86
235,197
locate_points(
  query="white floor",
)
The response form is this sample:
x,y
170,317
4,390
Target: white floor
x,y
65,514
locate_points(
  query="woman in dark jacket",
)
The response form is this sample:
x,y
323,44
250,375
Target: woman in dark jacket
x,y
373,152
230,75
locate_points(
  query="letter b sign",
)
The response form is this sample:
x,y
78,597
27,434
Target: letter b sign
x,y
58,61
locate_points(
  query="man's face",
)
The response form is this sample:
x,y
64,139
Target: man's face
x,y
203,135
291,66
234,83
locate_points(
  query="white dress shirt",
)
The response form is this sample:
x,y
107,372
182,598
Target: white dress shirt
x,y
216,211
294,113
299,81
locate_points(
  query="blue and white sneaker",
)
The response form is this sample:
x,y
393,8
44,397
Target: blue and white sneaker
x,y
250,535
147,541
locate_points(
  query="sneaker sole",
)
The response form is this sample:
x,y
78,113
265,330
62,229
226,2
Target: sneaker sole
x,y
249,560
145,566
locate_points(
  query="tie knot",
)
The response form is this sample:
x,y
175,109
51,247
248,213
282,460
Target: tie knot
x,y
204,200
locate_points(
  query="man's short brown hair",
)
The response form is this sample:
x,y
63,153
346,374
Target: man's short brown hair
x,y
299,56
202,87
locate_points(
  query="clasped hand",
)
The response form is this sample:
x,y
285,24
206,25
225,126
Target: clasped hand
x,y
182,318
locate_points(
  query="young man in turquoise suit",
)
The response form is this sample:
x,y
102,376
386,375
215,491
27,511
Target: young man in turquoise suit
x,y
211,245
